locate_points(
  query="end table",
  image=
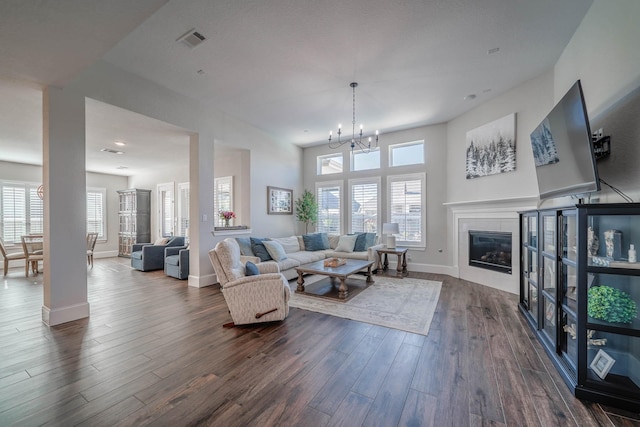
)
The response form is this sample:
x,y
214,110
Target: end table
x,y
401,253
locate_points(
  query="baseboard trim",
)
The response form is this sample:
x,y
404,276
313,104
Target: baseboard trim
x,y
202,281
105,254
433,268
62,315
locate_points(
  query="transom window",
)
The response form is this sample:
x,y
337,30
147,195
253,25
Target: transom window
x,y
408,153
365,161
330,163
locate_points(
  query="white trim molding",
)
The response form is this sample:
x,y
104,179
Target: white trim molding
x,y
62,315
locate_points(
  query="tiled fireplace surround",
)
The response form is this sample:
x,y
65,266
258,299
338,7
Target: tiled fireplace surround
x,y
487,216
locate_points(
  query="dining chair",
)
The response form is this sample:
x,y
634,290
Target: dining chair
x,y
91,244
9,256
32,245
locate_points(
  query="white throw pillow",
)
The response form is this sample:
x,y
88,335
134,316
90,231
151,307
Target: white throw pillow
x,y
162,241
290,244
346,243
275,249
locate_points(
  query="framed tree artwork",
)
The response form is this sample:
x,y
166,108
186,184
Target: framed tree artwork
x,y
491,148
279,201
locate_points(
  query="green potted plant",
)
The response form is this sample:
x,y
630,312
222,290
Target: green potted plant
x,y
307,209
611,305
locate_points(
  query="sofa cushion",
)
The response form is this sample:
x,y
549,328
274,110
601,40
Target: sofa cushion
x,y
250,269
259,250
364,241
334,239
305,257
172,260
245,246
136,255
288,263
275,249
290,244
315,242
346,243
364,255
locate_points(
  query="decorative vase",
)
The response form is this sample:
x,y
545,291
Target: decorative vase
x,y
613,243
226,222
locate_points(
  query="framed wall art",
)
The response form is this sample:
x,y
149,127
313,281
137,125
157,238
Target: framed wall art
x,y
279,201
491,148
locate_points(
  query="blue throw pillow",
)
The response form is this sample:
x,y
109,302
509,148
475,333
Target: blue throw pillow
x,y
245,246
315,242
259,250
250,269
364,241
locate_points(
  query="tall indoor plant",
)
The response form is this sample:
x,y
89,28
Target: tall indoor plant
x,y
307,209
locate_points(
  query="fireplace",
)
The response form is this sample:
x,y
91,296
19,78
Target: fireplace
x,y
490,250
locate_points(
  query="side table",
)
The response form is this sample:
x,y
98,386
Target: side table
x,y
401,253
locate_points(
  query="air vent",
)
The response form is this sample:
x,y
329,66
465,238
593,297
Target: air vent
x,y
191,38
109,150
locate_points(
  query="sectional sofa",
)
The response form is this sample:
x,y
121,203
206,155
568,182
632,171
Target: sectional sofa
x,y
291,252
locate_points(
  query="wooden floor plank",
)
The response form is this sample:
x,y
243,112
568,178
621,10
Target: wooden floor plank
x,y
154,352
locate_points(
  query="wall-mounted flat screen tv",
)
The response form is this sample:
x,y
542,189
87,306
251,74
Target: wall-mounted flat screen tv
x,y
563,149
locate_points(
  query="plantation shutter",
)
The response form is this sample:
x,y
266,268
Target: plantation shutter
x,y
223,197
329,208
406,208
183,209
14,213
95,213
36,211
364,207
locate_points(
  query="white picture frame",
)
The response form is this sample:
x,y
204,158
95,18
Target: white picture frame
x,y
602,364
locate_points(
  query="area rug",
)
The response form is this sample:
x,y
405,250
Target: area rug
x,y
406,304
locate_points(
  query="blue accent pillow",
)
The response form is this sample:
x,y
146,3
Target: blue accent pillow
x,y
250,269
245,246
364,241
315,242
259,250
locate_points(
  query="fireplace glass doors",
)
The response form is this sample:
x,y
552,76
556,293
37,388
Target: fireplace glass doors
x,y
490,250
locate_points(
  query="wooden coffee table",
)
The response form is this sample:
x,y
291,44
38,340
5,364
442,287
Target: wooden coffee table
x,y
341,273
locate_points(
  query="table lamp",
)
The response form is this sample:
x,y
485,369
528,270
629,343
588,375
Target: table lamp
x,y
391,228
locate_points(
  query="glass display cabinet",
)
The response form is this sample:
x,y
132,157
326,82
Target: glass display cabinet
x,y
134,213
583,301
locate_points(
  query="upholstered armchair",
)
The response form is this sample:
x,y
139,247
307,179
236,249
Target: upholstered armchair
x,y
149,256
251,299
176,262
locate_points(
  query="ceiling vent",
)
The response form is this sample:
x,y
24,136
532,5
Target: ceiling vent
x,y
191,38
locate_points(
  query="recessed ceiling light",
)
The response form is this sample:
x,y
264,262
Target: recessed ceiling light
x,y
109,150
494,50
470,97
120,143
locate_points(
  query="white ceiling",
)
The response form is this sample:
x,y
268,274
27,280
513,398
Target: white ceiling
x,y
283,66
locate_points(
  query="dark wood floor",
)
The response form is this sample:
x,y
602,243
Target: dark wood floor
x,y
154,352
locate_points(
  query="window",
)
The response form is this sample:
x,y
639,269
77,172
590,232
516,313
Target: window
x,y
365,161
96,212
328,196
165,209
365,205
183,209
407,207
408,153
331,163
22,211
223,197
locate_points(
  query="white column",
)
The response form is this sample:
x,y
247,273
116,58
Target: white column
x,y
65,260
201,218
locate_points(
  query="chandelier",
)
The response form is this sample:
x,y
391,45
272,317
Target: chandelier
x,y
356,140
